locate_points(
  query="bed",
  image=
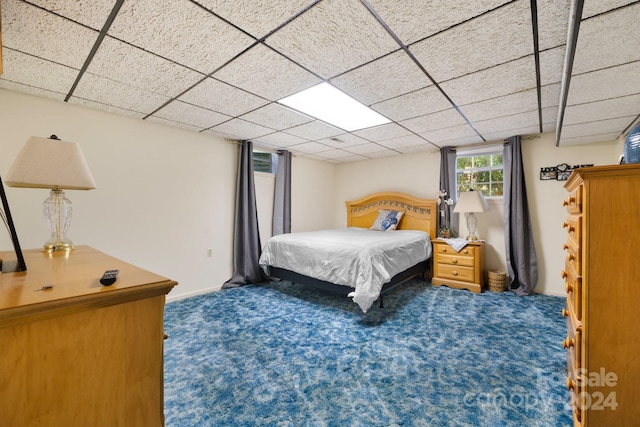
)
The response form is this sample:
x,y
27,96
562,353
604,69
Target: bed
x,y
354,261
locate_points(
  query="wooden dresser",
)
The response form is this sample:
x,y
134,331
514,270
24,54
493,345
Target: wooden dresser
x,y
81,354
462,270
602,271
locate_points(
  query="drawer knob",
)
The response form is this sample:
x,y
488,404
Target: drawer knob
x,y
563,274
466,252
444,249
454,261
565,247
567,287
455,273
571,257
571,385
565,313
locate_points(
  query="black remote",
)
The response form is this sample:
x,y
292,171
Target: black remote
x,y
109,277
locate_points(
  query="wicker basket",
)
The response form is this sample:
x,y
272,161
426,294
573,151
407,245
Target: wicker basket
x,y
497,281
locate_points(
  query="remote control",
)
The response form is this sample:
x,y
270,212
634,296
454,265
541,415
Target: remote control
x,y
109,277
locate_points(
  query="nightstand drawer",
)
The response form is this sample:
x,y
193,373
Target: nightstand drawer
x,y
455,272
444,249
456,260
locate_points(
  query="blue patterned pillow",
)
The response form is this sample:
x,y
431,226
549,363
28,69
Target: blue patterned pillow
x,y
387,220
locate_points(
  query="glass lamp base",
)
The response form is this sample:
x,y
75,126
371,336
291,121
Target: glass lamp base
x,y
57,213
472,222
58,246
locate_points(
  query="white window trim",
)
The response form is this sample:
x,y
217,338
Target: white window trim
x,y
478,151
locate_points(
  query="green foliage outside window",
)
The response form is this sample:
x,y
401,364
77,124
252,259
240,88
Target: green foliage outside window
x,y
480,173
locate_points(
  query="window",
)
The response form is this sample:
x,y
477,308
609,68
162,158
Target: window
x,y
480,171
265,162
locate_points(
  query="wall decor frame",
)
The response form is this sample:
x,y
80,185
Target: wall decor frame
x,y
560,172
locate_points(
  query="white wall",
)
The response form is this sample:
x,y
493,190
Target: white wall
x,y
164,194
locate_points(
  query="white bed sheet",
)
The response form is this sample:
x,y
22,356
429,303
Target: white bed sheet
x,y
357,257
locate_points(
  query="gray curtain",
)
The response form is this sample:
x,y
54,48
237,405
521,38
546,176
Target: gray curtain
x,y
282,198
522,262
247,247
448,180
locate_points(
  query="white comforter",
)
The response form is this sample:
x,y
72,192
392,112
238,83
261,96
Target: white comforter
x,y
357,257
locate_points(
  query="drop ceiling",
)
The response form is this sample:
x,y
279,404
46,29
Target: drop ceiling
x,y
445,73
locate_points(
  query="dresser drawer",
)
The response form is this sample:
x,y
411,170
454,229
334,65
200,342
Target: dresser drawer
x,y
444,249
456,272
456,260
573,225
573,202
574,254
573,288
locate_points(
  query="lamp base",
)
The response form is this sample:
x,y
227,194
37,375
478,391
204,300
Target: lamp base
x,y
472,221
58,247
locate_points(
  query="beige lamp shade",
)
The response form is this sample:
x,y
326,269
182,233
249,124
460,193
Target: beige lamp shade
x,y
471,201
50,163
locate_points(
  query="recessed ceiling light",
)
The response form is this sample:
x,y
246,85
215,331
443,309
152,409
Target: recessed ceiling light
x,y
335,107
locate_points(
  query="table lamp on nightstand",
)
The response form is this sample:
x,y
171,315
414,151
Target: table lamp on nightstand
x,y
58,165
470,202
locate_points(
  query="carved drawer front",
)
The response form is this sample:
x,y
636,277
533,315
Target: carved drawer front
x,y
456,260
574,254
456,272
573,225
573,202
446,249
573,287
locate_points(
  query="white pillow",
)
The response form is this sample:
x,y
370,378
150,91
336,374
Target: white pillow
x,y
387,220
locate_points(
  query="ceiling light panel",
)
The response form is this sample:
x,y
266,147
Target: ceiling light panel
x,y
498,37
31,30
267,74
276,116
385,78
332,37
173,29
190,114
257,17
117,94
333,106
614,35
414,104
413,20
219,96
122,62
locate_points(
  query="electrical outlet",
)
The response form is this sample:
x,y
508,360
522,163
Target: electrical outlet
x,y
209,252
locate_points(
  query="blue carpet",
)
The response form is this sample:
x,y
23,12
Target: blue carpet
x,y
280,354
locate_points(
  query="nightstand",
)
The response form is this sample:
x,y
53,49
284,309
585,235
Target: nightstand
x,y
462,270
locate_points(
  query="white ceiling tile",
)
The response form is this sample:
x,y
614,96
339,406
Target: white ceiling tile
x,y
590,139
380,133
265,73
438,136
613,36
597,127
31,30
332,37
219,96
414,104
550,95
552,65
515,121
242,129
37,73
435,121
498,37
600,110
381,154
553,22
515,76
334,154
182,112
173,123
413,20
280,140
257,17
416,148
343,141
31,90
176,30
605,84
119,61
104,107
465,140
513,103
366,149
310,148
592,8
385,78
504,134
276,116
91,13
315,130
403,141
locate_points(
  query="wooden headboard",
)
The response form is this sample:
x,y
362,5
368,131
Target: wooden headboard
x,y
419,214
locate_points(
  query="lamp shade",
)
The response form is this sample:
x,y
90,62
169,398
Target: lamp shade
x,y
471,201
50,163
